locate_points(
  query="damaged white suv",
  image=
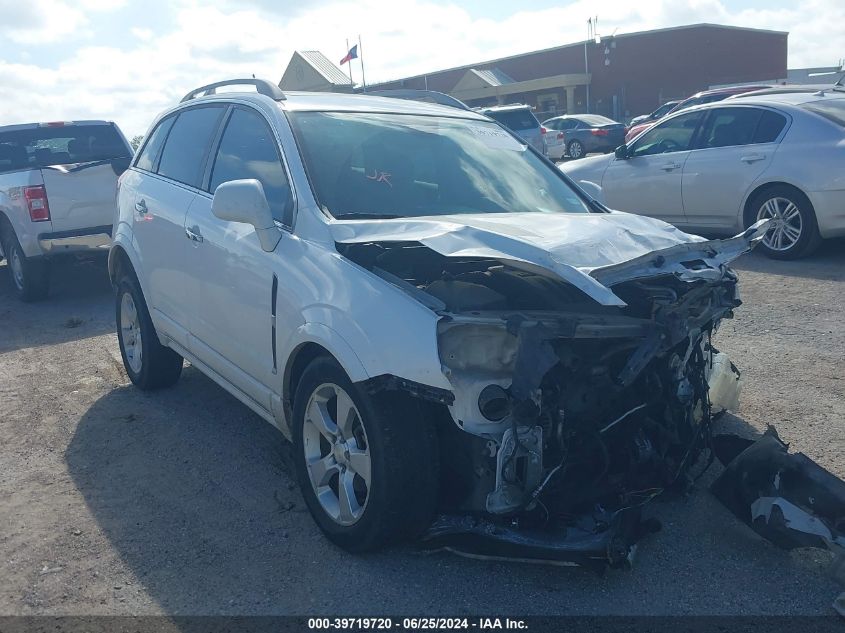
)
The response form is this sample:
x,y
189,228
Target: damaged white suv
x,y
459,341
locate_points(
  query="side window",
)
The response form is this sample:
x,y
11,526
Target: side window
x,y
569,124
149,153
674,135
729,127
770,126
182,158
248,149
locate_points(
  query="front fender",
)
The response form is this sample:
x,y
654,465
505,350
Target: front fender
x,y
334,343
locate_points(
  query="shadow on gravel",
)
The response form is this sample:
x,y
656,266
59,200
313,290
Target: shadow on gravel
x,y
80,305
827,263
195,494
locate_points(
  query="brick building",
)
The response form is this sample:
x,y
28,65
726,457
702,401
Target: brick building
x,y
625,75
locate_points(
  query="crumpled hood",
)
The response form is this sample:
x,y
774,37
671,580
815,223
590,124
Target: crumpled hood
x,y
585,249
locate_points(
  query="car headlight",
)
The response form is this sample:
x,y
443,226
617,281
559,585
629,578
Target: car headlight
x,y
478,347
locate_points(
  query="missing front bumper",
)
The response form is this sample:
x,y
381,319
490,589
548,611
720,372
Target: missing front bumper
x,y
606,540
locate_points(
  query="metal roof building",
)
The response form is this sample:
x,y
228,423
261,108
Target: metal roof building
x,y
312,71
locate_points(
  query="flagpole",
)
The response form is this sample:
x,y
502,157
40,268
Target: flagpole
x,y
361,57
350,66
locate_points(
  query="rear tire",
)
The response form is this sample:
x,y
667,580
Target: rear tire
x,y
30,275
149,364
796,232
575,149
395,497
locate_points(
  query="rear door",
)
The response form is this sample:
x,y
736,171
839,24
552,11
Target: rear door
x,y
734,148
649,181
165,182
80,164
233,331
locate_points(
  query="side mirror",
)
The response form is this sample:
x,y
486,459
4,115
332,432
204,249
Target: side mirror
x,y
593,189
621,152
244,201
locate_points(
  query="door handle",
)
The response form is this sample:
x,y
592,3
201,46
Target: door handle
x,y
193,233
141,206
752,158
670,166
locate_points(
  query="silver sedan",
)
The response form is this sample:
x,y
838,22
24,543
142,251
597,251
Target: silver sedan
x,y
720,167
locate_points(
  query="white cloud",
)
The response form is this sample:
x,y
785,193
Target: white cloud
x,y
152,67
34,22
145,35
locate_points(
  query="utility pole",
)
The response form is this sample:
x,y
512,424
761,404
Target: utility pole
x,y
586,61
592,36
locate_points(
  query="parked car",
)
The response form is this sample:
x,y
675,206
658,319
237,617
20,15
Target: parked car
x,y
724,166
699,98
585,133
57,191
453,335
519,119
656,115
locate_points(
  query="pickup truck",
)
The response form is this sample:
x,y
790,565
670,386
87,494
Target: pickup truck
x,y
58,183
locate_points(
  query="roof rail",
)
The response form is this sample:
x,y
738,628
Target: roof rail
x,y
420,95
264,87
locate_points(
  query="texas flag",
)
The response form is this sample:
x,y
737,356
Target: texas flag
x,y
352,54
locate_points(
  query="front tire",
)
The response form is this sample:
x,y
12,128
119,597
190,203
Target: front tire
x,y
575,149
795,232
30,275
367,465
149,364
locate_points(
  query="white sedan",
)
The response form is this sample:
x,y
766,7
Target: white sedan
x,y
720,167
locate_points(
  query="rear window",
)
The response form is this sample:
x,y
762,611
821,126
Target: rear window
x,y
770,126
522,119
45,146
594,120
832,110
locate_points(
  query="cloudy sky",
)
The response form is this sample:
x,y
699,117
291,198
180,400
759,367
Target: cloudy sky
x,y
127,60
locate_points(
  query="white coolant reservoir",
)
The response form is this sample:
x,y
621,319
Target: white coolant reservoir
x,y
725,384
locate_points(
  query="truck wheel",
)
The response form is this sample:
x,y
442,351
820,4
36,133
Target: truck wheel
x,y
30,275
367,465
150,364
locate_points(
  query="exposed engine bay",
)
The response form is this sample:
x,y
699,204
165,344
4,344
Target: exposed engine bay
x,y
568,414
578,413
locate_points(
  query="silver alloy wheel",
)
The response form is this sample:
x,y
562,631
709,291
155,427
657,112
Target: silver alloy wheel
x,y
786,223
130,330
578,149
337,453
16,265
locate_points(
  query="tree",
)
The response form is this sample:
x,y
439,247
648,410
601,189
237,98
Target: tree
x,y
136,141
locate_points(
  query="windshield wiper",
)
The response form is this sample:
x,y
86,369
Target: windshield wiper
x,y
354,215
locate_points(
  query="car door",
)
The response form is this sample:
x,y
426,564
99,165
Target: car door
x,y
170,167
232,332
648,181
734,148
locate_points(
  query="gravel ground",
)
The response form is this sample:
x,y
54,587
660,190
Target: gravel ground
x,y
181,502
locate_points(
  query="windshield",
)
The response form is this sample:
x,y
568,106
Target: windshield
x,y
392,165
664,109
60,145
